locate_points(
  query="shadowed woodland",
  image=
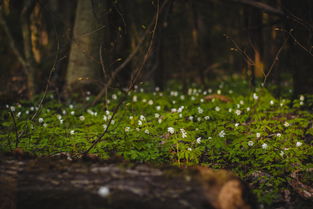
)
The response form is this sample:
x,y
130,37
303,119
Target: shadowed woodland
x,y
156,104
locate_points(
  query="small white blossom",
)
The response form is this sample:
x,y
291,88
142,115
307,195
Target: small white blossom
x,y
199,140
173,110
45,125
189,149
61,121
31,108
12,108
144,100
157,89
219,91
158,108
264,146
27,112
236,124
87,98
139,123
221,134
298,144
301,98
135,98
72,132
160,120
198,119
105,118
171,130
147,131
230,110
200,110
190,118
150,102
217,108
18,114
278,134
156,115
258,135
206,117
40,120
241,102
142,118
127,129
105,126
238,112
248,109
286,124
131,117
183,133
272,102
112,122
282,153
82,118
104,191
250,143
71,106
72,112
255,96
114,96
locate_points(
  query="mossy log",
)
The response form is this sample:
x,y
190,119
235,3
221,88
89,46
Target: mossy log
x,y
59,183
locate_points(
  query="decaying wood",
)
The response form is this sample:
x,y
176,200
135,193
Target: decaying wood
x,y
48,183
222,98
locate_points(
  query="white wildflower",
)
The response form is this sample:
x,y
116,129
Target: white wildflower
x,y
45,125
255,96
71,106
105,126
160,121
230,110
182,97
150,102
144,100
286,124
238,112
248,109
127,129
272,102
104,191
301,98
131,117
221,134
189,149
112,122
12,108
264,146
18,114
114,96
142,118
72,112
278,134
72,132
191,118
236,124
217,108
198,119
105,118
139,123
200,110
219,91
40,120
82,118
206,117
156,115
171,130
241,102
258,135
183,133
199,140
158,108
250,143
282,153
147,131
135,98
157,88
27,112
298,144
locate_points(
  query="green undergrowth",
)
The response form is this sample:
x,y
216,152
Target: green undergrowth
x,y
261,138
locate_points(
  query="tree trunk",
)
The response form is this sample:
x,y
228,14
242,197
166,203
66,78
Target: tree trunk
x,y
56,183
83,70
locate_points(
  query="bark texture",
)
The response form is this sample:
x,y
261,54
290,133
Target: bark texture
x,y
84,63
59,183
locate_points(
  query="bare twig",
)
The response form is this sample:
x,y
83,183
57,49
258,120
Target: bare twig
x,y
276,58
129,58
132,83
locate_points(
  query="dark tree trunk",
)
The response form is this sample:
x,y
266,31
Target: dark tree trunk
x,y
51,183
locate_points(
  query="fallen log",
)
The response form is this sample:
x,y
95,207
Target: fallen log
x,y
63,184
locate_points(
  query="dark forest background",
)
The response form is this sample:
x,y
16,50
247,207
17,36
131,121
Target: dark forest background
x,y
96,45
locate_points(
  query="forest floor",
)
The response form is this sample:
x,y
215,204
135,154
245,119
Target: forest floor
x,y
265,140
